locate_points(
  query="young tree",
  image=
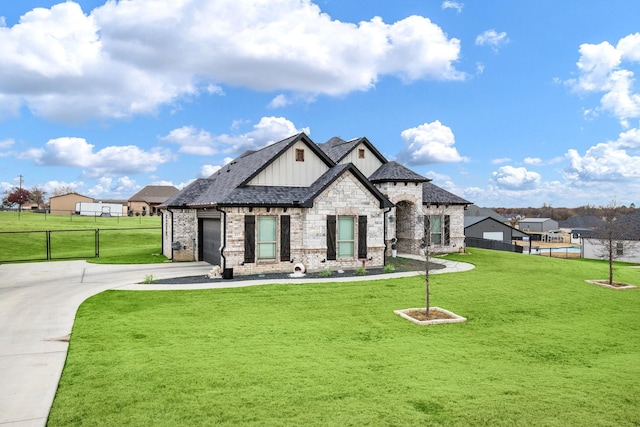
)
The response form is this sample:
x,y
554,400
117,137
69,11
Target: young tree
x,y
427,246
611,235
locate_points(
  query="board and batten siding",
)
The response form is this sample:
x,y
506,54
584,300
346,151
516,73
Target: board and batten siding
x,y
286,171
368,165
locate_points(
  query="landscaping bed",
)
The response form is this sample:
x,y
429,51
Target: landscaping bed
x,y
399,265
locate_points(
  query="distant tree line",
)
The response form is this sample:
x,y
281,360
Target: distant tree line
x,y
561,214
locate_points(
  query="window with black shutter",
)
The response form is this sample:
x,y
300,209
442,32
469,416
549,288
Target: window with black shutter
x,y
285,238
362,236
249,238
447,231
331,237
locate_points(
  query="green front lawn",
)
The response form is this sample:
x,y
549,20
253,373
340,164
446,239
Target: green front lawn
x,y
541,348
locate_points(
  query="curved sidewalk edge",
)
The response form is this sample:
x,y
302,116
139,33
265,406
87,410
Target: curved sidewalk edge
x,y
449,267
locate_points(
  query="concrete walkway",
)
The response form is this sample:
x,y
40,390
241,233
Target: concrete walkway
x,y
38,304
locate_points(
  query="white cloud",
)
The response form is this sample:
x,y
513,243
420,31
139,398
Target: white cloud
x,y
607,161
510,178
604,68
267,131
51,186
500,161
127,58
279,101
448,4
106,162
5,145
120,188
532,161
492,38
429,143
192,141
208,170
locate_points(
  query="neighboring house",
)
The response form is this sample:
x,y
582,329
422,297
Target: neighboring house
x,y
488,228
300,205
538,225
626,246
148,199
65,204
477,211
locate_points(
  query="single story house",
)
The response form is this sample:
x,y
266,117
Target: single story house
x,y
298,205
625,240
65,204
147,200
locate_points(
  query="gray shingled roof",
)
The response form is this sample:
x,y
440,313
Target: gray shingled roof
x,y
259,195
434,195
154,194
227,187
627,227
395,172
474,210
337,148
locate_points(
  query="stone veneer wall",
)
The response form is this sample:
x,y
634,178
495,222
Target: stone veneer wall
x,y
399,192
185,231
456,226
346,196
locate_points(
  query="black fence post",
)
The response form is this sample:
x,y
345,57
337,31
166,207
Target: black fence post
x,y
48,244
97,243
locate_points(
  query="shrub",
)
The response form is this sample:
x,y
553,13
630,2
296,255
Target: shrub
x,y
361,271
326,273
148,279
389,268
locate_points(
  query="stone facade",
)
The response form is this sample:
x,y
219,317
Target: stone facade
x,y
180,234
345,197
404,221
456,226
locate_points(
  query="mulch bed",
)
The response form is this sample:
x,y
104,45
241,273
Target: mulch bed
x,y
400,265
421,314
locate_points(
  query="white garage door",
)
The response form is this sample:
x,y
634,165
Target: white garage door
x,y
493,235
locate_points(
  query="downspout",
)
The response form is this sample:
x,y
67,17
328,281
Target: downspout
x,y
172,235
384,232
224,237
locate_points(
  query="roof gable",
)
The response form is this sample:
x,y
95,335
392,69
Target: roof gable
x,y
337,148
264,157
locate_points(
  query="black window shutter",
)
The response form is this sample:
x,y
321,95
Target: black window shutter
x,y
362,236
331,237
250,238
446,240
285,238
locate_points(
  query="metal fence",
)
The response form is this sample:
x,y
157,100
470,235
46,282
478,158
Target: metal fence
x,y
25,246
474,242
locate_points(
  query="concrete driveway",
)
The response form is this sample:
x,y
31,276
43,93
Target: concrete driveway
x,y
38,304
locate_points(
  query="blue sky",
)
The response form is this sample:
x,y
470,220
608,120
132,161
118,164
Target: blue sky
x,y
504,103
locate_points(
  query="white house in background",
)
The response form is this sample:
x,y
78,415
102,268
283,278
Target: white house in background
x,y
627,247
335,205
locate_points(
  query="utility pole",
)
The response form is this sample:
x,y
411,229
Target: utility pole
x,y
20,198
